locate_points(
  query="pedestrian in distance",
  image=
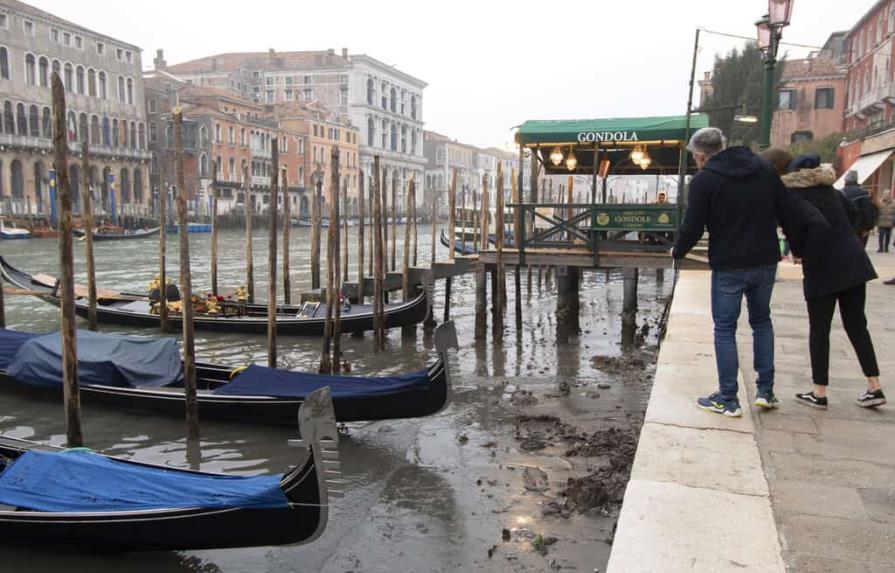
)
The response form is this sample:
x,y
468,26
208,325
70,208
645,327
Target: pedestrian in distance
x,y
885,222
865,212
836,270
739,199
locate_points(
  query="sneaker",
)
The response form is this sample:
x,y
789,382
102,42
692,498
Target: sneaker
x,y
718,404
766,399
889,282
871,399
809,399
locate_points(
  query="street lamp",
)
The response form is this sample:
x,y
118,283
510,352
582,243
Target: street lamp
x,y
769,31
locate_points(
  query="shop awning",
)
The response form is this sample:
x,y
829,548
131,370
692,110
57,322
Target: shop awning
x,y
865,165
610,131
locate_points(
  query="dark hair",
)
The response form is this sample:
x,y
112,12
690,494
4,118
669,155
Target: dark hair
x,y
779,158
809,161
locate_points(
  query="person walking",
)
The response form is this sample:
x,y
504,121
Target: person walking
x,y
739,198
836,269
864,213
885,222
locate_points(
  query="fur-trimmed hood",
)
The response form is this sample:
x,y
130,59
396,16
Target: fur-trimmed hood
x,y
805,178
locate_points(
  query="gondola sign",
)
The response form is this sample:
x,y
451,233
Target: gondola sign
x,y
636,219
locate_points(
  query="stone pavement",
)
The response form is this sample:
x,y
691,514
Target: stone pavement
x,y
831,473
793,489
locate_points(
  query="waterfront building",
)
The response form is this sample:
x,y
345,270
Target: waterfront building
x,y
105,105
382,102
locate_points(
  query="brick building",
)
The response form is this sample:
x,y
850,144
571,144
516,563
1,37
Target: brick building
x,y
105,104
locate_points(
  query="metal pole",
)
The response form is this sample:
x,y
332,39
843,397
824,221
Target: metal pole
x,y
682,158
767,98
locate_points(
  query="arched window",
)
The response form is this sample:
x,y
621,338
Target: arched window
x,y
17,180
94,130
30,70
370,91
83,127
91,82
39,176
231,169
393,98
4,62
103,92
133,139
203,137
80,80
56,69
384,134
71,124
69,78
203,165
74,180
413,142
124,185
153,133
123,127
130,90
43,66
46,123
9,120
371,131
138,185
394,133
217,133
141,135
34,121
115,133
218,166
21,120
413,106
106,132
384,92
169,138
121,95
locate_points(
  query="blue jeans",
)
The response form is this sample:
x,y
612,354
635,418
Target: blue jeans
x,y
728,288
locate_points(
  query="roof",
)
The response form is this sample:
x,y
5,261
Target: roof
x,y
278,60
867,14
812,68
609,131
43,15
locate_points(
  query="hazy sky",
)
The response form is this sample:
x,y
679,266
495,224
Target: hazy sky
x,y
490,65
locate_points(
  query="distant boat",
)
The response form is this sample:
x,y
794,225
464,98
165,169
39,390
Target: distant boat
x,y
117,233
10,233
190,228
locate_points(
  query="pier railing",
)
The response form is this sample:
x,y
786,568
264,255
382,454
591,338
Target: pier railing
x,y
592,227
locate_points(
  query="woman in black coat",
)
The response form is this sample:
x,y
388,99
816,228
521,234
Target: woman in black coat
x,y
836,270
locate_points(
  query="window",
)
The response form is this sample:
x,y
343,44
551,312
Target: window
x,y
94,130
231,172
786,99
242,137
218,166
288,95
309,79
103,92
4,62
203,165
823,98
129,57
394,100
9,120
29,27
66,38
800,136
153,106
133,134
80,80
288,80
43,66
343,97
115,133
217,133
119,54
54,35
370,90
230,136
30,70
79,42
141,135
100,48
4,21
269,96
384,92
153,133
268,81
130,90
46,125
121,95
106,131
413,106
34,121
91,82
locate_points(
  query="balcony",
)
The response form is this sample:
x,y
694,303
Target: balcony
x,y
258,151
260,181
873,101
46,145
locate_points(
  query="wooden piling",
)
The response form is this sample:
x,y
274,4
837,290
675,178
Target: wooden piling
x,y
362,215
214,227
476,217
249,213
272,254
484,206
371,244
337,290
332,271
71,394
405,271
316,216
287,226
87,211
463,218
186,285
433,209
343,216
569,200
378,339
517,237
413,219
452,218
500,293
384,198
394,261
162,258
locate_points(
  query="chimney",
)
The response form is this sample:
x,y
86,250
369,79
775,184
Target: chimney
x,y
330,52
271,55
344,53
159,62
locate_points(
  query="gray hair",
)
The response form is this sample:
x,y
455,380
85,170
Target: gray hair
x,y
708,140
851,178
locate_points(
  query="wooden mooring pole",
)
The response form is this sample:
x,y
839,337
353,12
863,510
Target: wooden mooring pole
x,y
500,296
384,191
378,338
517,237
71,394
249,213
287,226
372,247
394,261
186,285
452,239
332,271
335,220
316,206
272,254
343,216
413,218
214,227
162,258
481,296
87,210
407,330
362,215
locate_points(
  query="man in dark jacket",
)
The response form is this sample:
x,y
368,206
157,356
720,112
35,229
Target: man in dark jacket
x,y
740,199
857,210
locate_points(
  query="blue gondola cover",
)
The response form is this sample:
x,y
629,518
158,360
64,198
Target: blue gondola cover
x,y
10,343
105,359
262,381
86,482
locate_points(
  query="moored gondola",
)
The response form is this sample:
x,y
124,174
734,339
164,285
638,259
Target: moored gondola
x,y
145,375
90,501
118,234
134,309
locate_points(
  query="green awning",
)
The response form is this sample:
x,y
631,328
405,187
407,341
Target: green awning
x,y
609,132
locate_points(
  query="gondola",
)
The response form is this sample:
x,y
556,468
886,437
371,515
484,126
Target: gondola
x,y
145,375
133,309
459,247
102,234
95,502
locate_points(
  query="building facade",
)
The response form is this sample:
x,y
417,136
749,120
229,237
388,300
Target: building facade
x,y
105,106
871,74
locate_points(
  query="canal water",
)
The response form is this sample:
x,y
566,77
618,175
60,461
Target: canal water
x,y
412,502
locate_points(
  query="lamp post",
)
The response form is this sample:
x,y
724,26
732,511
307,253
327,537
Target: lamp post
x,y
770,31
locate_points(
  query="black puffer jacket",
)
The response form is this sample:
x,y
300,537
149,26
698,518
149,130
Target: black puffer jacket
x,y
832,256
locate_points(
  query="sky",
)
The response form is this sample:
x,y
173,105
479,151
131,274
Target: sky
x,y
490,65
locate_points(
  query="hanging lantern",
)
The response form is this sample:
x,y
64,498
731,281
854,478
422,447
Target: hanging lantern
x,y
637,154
571,160
645,162
556,156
